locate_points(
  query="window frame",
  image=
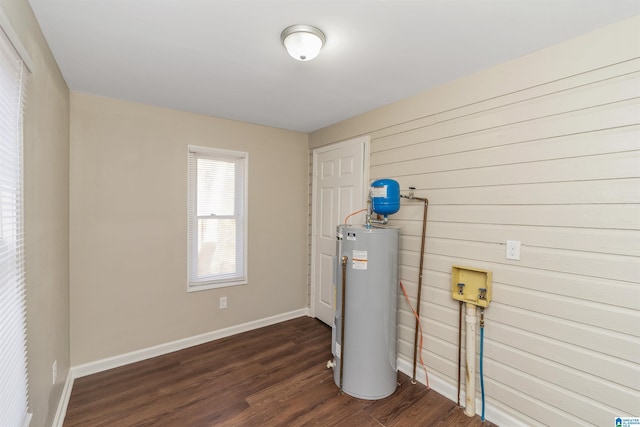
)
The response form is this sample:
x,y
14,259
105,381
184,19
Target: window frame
x,y
240,277
16,68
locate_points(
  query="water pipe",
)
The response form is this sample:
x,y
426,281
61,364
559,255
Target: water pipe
x,y
370,220
382,221
422,249
470,395
481,351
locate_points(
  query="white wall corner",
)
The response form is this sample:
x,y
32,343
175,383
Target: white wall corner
x,y
63,403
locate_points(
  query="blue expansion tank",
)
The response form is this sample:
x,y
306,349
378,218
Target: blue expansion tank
x,y
385,196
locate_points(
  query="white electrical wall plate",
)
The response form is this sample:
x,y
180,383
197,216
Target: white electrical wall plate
x,y
513,250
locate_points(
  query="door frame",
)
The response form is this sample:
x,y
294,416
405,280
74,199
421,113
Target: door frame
x,y
365,141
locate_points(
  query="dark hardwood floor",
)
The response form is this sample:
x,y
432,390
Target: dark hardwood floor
x,y
274,376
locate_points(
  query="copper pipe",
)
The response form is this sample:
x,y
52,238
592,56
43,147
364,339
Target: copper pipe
x,y
344,293
422,249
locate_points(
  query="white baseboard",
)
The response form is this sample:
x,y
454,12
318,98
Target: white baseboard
x,y
436,383
450,391
58,420
159,350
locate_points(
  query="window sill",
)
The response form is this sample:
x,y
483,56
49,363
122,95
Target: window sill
x,y
203,286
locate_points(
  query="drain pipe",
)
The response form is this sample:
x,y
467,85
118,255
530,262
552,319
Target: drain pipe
x,y
470,350
459,345
481,357
422,248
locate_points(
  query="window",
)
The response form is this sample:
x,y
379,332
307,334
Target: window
x,y
217,223
13,354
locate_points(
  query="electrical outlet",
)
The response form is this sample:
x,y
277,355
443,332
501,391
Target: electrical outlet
x,y
513,250
223,302
54,371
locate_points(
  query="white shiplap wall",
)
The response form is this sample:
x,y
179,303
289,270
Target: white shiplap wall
x,y
555,165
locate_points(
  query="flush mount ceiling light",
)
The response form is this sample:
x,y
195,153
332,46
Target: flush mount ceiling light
x,y
303,42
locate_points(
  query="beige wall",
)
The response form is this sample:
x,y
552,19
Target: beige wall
x,y
545,150
128,226
46,178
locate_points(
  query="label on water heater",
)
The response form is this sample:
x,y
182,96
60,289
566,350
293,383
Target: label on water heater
x,y
359,260
351,236
380,191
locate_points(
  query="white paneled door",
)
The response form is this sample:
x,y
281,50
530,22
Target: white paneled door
x,y
340,173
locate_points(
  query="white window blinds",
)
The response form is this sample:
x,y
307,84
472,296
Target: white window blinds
x,y
13,353
217,218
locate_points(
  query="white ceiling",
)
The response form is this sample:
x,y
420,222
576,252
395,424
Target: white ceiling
x,y
224,58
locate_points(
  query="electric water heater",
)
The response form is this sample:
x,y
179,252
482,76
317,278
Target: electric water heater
x,y
364,334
